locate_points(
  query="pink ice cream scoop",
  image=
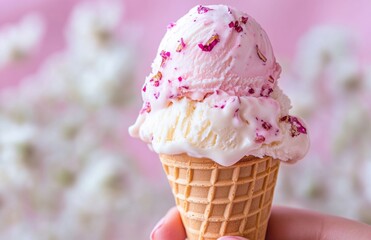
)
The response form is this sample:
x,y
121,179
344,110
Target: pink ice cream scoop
x,y
213,92
212,48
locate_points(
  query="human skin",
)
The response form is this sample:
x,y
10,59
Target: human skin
x,y
284,224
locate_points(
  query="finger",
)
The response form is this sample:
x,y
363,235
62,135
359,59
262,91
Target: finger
x,y
287,223
170,227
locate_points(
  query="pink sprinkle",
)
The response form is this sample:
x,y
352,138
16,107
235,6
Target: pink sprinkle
x,y
180,79
144,88
156,79
217,92
266,125
171,25
236,26
266,91
296,126
210,43
156,95
238,29
251,91
259,138
185,87
201,9
165,56
181,45
146,108
221,106
244,19
299,126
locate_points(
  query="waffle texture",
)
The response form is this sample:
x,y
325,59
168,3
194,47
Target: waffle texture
x,y
216,201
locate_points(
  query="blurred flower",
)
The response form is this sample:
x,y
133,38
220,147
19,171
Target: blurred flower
x,y
330,91
65,172
92,26
16,155
18,41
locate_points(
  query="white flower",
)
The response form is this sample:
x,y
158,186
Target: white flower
x,y
321,46
365,178
19,40
92,25
106,80
16,159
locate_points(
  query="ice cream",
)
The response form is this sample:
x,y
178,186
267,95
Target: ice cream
x,y
213,92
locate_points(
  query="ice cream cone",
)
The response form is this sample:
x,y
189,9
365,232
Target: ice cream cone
x,y
216,201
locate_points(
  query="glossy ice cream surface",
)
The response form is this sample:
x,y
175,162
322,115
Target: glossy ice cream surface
x,y
213,92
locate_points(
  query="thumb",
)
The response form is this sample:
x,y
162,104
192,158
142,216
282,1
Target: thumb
x,y
232,238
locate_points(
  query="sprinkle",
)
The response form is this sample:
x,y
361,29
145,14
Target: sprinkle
x,y
181,45
251,91
244,19
146,108
221,106
266,91
236,26
296,126
260,54
158,76
201,9
171,25
156,79
210,43
271,79
144,88
259,138
266,125
165,56
156,95
180,79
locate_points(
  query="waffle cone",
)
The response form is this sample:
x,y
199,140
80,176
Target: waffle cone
x,y
216,201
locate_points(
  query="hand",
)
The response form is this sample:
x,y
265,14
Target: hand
x,y
284,223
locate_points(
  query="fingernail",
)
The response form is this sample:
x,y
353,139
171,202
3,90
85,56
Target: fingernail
x,y
232,238
158,226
